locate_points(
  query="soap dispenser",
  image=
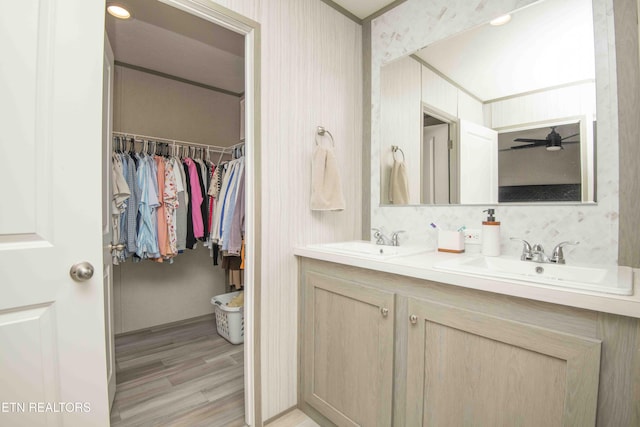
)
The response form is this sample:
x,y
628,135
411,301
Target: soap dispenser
x,y
490,234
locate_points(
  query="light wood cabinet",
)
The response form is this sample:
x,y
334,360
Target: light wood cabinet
x,y
347,351
468,368
469,358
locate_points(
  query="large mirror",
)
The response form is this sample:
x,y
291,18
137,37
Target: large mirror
x,y
497,114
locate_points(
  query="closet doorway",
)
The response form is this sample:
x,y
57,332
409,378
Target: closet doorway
x,y
185,86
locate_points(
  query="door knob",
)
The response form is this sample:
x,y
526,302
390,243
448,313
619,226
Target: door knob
x,y
384,311
118,247
413,319
81,272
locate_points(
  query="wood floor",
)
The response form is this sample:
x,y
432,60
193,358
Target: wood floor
x,y
294,418
179,375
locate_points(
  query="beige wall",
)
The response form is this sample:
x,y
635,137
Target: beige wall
x,y
628,73
147,104
148,294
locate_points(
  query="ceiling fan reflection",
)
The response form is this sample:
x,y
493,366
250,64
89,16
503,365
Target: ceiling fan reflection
x,y
553,142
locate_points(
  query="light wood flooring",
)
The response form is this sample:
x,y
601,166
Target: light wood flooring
x,y
295,418
179,375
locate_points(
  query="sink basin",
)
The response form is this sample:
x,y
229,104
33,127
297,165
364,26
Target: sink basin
x,y
366,249
608,279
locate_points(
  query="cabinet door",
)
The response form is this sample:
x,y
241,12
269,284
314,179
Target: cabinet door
x,y
347,351
467,368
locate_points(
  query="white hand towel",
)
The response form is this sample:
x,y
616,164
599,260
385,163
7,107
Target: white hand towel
x,y
399,184
326,189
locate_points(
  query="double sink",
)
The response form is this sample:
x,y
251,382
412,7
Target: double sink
x,y
609,279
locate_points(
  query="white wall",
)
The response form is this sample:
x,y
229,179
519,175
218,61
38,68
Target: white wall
x,y
414,24
402,124
570,101
311,75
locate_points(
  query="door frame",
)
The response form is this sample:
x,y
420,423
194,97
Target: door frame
x,y
219,15
454,153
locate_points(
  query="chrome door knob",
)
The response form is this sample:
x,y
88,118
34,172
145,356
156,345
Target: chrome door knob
x,y
413,319
81,272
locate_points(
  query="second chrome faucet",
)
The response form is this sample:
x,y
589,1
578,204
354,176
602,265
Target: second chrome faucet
x,y
536,253
381,239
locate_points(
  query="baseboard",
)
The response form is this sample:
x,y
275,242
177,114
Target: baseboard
x,y
168,325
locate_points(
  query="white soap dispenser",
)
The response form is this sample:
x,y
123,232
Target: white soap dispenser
x,y
490,235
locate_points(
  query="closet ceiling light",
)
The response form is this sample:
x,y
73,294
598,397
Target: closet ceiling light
x,y
118,10
500,20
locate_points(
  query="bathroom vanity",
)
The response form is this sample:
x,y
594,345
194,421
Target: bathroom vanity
x,y
392,341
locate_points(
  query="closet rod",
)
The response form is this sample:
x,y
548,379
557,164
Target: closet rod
x,y
236,145
215,148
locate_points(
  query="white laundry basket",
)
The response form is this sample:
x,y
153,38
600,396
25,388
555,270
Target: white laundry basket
x,y
229,320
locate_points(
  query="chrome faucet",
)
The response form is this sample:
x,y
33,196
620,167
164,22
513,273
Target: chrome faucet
x,y
536,253
394,237
526,249
557,255
381,239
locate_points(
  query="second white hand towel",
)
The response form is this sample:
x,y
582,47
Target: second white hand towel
x,y
399,184
326,188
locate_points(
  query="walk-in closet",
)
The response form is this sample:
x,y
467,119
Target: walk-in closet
x,y
177,162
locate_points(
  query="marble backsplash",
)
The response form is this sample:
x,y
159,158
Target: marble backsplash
x,y
417,23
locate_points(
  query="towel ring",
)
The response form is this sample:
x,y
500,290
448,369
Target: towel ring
x,y
395,149
321,131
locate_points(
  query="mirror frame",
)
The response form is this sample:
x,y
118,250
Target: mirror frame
x,y
411,25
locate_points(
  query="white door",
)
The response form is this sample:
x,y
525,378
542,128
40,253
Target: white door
x,y
52,328
107,265
435,164
478,164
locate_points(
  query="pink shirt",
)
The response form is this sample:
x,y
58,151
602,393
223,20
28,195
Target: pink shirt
x,y
195,199
162,218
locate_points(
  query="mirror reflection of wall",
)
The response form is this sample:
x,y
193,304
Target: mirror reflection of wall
x,y
535,70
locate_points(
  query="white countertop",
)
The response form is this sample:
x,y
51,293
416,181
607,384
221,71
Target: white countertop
x,y
420,266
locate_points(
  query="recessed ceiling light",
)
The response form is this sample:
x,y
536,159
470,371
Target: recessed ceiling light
x,y
118,10
500,20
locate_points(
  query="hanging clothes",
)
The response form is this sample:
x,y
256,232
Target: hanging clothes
x,y
161,226
147,230
236,231
190,238
196,198
227,192
183,200
171,203
121,194
204,205
132,207
228,215
163,205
